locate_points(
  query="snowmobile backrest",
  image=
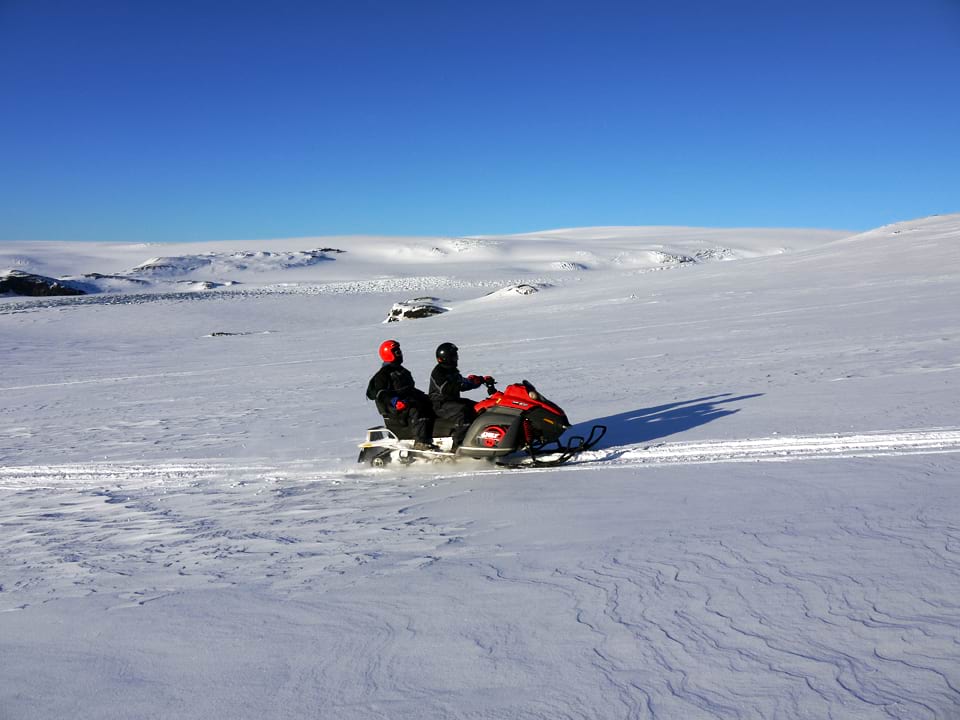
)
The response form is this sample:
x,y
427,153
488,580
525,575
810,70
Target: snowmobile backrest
x,y
383,403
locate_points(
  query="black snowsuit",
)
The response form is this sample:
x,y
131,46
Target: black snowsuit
x,y
446,384
393,382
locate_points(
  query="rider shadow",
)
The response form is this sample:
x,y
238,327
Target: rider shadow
x,y
653,423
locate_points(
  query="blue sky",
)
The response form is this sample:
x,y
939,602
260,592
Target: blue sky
x,y
206,120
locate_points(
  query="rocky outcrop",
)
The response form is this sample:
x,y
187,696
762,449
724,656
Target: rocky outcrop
x,y
521,289
123,278
213,262
414,309
17,282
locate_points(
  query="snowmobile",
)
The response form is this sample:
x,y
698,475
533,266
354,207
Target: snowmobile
x,y
517,421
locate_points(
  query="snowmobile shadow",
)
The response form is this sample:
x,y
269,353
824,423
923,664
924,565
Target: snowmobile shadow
x,y
653,423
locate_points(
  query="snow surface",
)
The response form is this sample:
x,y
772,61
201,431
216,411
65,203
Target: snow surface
x,y
769,530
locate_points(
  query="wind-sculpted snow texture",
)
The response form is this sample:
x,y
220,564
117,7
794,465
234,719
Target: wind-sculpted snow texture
x,y
827,599
769,529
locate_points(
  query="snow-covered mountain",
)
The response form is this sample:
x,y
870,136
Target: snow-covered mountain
x,y
769,528
360,258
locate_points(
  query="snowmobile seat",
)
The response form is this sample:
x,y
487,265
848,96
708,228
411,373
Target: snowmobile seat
x,y
398,425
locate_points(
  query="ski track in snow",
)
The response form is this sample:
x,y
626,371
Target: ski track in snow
x,y
770,449
787,448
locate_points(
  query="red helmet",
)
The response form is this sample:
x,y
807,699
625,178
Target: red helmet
x,y
390,351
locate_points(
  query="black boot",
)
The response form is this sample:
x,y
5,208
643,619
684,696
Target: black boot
x,y
424,434
459,433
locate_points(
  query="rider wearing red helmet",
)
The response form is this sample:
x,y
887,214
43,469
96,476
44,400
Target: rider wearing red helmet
x,y
392,388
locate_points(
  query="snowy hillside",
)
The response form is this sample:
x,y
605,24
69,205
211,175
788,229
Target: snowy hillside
x,y
769,528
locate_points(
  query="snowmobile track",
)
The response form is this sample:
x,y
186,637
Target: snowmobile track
x,y
769,449
780,448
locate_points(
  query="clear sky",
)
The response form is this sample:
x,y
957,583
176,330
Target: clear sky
x,y
156,120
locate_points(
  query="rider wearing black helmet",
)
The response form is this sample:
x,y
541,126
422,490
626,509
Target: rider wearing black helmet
x,y
446,384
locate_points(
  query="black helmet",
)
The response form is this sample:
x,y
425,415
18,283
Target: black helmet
x,y
447,354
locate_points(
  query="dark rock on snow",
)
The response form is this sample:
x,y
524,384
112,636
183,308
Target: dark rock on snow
x,y
22,283
126,278
414,309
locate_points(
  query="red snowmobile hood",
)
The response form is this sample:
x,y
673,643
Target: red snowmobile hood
x,y
520,396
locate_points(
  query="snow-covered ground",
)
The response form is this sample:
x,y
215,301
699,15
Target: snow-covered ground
x,y
769,529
